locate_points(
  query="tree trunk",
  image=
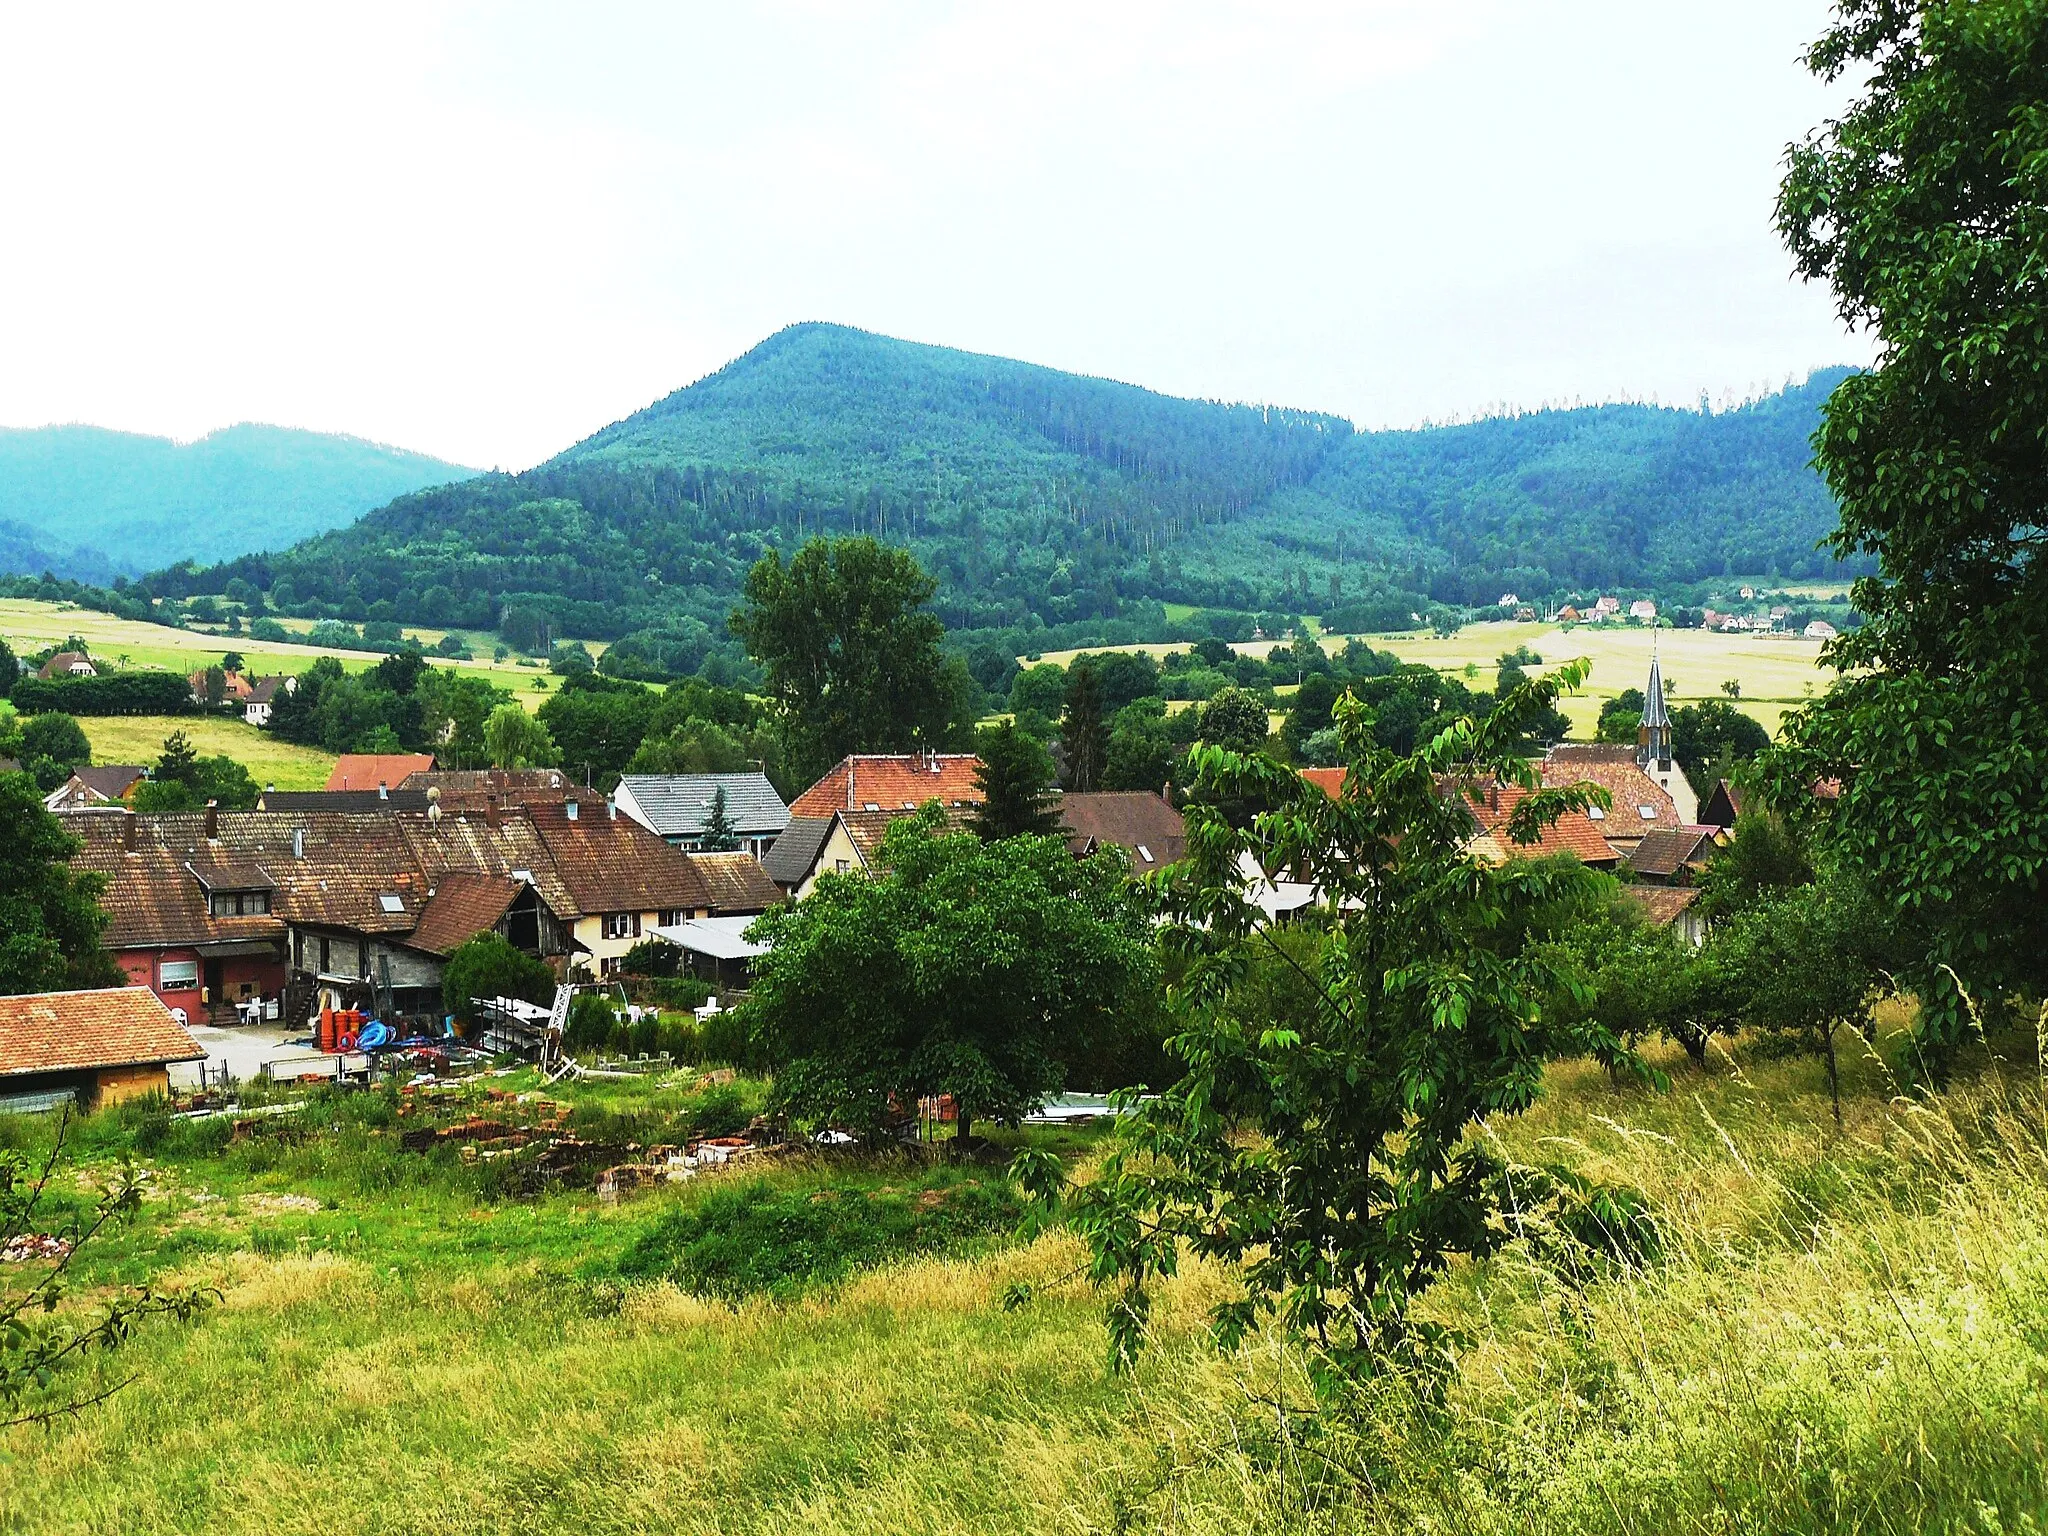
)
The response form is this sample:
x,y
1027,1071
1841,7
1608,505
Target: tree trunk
x,y
961,1135
1834,1072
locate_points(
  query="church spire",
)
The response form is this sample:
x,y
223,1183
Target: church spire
x,y
1653,737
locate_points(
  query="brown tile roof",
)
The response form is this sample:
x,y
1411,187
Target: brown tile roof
x,y
366,770
867,828
736,881
152,900
1662,904
1134,819
888,783
1664,851
1628,788
60,664
1573,833
461,907
344,866
74,1031
612,863
110,781
471,789
468,843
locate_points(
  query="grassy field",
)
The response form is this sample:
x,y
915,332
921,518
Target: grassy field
x,y
1836,1330
140,739
1775,672
27,625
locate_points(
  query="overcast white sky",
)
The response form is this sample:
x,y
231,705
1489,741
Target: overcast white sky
x,y
485,231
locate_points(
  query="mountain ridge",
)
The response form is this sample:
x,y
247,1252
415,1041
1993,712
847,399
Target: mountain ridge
x,y
1050,501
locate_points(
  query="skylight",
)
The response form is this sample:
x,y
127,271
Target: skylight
x,y
1649,812
391,903
1144,853
1596,812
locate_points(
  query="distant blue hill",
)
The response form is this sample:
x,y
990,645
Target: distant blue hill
x,y
87,502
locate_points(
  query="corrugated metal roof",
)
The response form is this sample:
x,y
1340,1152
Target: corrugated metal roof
x,y
678,804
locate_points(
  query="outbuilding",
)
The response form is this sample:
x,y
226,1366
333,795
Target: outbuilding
x,y
94,1048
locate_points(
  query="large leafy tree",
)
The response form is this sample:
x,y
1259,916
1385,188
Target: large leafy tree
x,y
50,918
1324,1150
1925,206
1015,779
966,968
850,650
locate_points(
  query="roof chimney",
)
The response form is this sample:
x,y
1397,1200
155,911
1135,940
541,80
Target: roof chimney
x,y
570,809
491,814
611,808
298,842
213,821
383,792
849,784
128,831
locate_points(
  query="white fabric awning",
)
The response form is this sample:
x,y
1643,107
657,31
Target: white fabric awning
x,y
718,937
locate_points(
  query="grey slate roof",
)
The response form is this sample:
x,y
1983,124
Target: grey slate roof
x,y
678,804
796,851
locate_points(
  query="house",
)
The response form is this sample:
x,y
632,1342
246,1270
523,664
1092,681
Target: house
x,y
1606,607
1492,807
366,770
1524,614
67,664
675,807
1568,614
235,688
380,800
1748,593
845,842
95,787
1138,821
1642,608
1673,907
876,782
622,879
1637,803
262,698
1507,600
177,923
97,1047
1675,855
1820,629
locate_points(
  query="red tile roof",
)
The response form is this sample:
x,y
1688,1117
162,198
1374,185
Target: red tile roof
x,y
462,907
1629,789
1573,833
1134,819
890,783
1664,852
366,770
79,1031
1329,780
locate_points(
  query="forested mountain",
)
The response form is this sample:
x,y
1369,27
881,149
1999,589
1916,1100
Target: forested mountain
x,y
1045,501
88,502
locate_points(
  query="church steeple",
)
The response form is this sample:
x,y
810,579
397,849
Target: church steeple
x,y
1653,736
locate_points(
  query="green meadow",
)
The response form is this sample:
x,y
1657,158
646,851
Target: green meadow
x,y
1832,1329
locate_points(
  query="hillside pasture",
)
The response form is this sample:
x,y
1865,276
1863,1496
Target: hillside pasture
x,y
29,625
269,759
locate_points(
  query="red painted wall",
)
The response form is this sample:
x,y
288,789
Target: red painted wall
x,y
261,975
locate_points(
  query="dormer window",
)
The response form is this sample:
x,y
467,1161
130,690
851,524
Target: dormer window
x,y
239,903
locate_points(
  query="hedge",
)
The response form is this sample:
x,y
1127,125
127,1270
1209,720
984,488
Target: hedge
x,y
114,693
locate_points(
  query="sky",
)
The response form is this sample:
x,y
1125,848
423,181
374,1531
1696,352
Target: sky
x,y
485,231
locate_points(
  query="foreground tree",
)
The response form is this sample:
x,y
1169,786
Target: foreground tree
x,y
1015,779
50,917
850,651
1922,207
1331,1153
967,968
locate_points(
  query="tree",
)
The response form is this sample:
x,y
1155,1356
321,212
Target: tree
x,y
1142,751
1015,779
850,652
1234,719
571,660
1323,1148
718,834
232,662
965,968
487,966
10,669
1921,206
214,686
1620,717
177,763
514,739
1712,737
52,746
1084,738
50,917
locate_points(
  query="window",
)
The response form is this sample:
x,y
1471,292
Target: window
x,y
326,956
870,805
839,865
669,917
391,903
239,903
1596,812
622,925
1648,812
178,975
1144,853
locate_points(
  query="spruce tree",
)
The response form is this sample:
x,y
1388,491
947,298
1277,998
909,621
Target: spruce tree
x,y
1084,736
718,833
1015,779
